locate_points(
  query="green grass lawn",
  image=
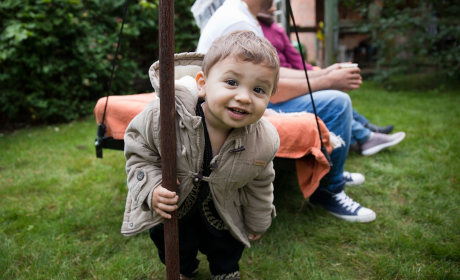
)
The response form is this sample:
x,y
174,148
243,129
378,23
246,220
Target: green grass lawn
x,y
61,208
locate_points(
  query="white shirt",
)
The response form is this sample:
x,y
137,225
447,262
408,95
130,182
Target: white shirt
x,y
232,15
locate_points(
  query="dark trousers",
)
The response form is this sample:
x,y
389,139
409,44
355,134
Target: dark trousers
x,y
223,252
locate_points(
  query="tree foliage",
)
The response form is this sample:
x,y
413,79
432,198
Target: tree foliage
x,y
56,56
413,35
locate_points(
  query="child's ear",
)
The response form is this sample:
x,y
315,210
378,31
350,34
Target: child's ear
x,y
201,84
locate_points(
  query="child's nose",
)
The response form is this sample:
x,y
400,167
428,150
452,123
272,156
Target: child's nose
x,y
243,96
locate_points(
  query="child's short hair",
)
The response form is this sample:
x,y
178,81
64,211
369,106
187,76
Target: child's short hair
x,y
244,46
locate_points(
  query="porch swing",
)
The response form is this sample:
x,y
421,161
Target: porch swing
x,y
294,154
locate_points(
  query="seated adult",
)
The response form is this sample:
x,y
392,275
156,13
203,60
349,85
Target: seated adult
x,y
332,106
364,140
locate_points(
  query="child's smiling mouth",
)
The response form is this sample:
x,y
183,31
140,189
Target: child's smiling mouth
x,y
237,113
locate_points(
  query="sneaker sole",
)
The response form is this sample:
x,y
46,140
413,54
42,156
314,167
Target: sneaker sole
x,y
356,219
354,184
378,148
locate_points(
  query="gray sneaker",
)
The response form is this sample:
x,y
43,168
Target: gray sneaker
x,y
379,141
380,129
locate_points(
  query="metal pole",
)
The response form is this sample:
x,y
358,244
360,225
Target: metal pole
x,y
331,22
168,131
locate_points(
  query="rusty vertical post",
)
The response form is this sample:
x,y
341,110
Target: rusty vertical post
x,y
168,131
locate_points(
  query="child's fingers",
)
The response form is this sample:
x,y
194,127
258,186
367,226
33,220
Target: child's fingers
x,y
165,193
167,207
168,200
162,213
254,237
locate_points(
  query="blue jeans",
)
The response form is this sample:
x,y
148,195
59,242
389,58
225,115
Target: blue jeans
x,y
360,118
334,108
359,133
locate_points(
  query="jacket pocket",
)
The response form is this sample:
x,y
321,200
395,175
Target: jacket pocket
x,y
244,171
136,184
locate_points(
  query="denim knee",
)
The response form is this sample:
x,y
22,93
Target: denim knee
x,y
333,102
343,99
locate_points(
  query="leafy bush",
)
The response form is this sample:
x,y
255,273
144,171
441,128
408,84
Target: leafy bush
x,y
56,56
412,36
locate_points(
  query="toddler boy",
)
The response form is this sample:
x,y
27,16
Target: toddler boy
x,y
224,155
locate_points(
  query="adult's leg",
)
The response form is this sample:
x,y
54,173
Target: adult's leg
x,y
372,127
360,118
334,108
367,143
359,133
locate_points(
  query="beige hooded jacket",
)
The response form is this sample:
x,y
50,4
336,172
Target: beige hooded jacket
x,y
241,185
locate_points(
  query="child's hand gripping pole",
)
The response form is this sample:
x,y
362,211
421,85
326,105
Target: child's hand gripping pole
x,y
164,201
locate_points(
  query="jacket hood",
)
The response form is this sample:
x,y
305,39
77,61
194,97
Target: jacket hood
x,y
186,66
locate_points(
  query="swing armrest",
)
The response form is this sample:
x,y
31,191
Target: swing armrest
x,y
108,143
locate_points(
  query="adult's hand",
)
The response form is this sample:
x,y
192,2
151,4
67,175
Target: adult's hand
x,y
339,79
344,79
335,66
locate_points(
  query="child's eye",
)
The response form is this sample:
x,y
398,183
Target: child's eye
x,y
232,83
259,90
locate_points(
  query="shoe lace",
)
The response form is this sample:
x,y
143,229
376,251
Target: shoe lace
x,y
346,201
347,176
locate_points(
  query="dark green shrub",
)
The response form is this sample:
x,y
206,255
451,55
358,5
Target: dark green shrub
x,y
56,56
413,36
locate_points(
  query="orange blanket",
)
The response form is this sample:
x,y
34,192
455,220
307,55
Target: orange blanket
x,y
298,135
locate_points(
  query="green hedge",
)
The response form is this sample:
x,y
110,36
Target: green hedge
x,y
413,36
56,56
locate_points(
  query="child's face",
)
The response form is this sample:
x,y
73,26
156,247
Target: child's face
x,y
237,93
